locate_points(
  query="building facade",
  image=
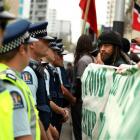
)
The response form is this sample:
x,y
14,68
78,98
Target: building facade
x,y
52,21
110,12
24,9
35,10
111,5
38,10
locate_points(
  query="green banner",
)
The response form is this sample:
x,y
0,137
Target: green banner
x,y
110,103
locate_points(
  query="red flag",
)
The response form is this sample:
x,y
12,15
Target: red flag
x,y
91,17
136,17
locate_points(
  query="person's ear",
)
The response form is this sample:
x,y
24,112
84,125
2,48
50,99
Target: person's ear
x,y
31,45
22,49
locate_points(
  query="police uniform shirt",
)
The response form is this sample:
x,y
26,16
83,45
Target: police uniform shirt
x,y
47,81
52,80
29,76
63,77
37,86
46,77
57,80
60,75
20,115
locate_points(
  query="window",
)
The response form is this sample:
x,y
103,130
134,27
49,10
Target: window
x,y
40,0
31,12
41,19
42,6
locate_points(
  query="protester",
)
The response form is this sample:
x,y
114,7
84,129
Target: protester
x,y
134,56
110,48
83,57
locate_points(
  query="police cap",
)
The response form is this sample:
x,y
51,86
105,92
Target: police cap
x,y
16,34
38,30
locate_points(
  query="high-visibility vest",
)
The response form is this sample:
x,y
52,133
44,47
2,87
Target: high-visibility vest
x,y
6,114
18,82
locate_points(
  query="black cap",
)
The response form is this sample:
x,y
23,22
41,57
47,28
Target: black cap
x,y
110,37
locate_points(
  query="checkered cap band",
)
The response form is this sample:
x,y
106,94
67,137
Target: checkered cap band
x,y
60,44
52,44
14,43
62,49
34,33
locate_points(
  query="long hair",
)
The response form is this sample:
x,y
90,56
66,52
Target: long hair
x,y
84,46
116,54
120,54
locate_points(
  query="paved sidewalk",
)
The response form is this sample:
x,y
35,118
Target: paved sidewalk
x,y
66,133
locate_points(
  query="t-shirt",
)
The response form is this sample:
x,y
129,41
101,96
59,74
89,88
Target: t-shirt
x,y
82,64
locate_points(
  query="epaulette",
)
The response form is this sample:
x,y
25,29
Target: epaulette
x,y
33,65
11,74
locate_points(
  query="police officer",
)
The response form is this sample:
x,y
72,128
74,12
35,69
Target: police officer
x,y
65,85
6,103
54,85
13,58
36,76
33,74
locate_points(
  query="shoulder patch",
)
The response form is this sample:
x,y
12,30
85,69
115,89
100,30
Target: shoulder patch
x,y
17,99
27,77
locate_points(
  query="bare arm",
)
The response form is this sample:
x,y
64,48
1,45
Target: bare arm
x,y
29,137
42,131
59,110
68,95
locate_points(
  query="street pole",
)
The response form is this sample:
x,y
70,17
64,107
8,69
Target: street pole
x,y
118,23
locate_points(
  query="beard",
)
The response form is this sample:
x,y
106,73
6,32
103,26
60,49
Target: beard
x,y
106,58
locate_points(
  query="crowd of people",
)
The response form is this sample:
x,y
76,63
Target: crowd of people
x,y
35,88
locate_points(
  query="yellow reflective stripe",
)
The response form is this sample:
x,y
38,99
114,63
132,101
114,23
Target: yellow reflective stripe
x,y
25,89
6,116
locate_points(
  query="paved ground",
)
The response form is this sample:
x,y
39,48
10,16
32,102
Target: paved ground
x,y
66,133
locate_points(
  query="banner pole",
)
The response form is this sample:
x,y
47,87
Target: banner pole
x,y
85,16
